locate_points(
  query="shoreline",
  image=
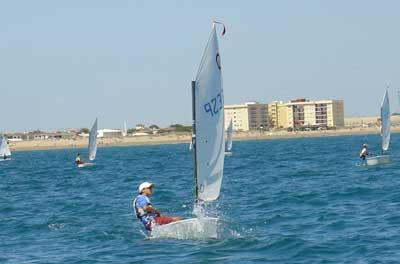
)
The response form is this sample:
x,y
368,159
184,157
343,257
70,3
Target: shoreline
x,y
34,145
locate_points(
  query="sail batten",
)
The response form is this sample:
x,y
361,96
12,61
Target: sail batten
x,y
385,122
209,141
93,141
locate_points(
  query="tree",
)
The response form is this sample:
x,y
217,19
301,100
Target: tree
x,y
84,131
181,128
154,127
176,125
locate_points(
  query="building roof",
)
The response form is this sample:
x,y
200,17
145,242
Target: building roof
x,y
308,102
106,130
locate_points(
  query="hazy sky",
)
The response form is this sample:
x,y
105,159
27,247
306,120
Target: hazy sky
x,y
63,63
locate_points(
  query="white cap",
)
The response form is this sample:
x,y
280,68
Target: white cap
x,y
144,185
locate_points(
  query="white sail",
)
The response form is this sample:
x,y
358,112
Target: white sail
x,y
93,141
385,122
209,123
229,131
4,149
398,96
125,131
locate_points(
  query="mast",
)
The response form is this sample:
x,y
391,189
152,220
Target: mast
x,y
196,191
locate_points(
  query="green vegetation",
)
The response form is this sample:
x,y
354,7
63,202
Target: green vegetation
x,y
84,131
131,131
181,128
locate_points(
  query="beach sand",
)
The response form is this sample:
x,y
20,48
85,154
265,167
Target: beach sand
x,y
183,138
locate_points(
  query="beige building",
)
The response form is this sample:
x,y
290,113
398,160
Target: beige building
x,y
320,113
273,113
282,116
277,115
247,116
296,114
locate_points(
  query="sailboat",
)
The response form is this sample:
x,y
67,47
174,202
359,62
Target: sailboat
x,y
228,145
208,143
191,146
5,152
92,146
385,134
125,130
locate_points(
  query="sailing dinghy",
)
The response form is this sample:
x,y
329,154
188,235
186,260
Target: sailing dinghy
x,y
385,135
191,146
5,153
208,145
228,145
92,146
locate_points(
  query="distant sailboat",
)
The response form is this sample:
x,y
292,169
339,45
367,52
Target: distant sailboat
x,y
191,146
228,145
208,143
93,141
125,130
385,134
5,153
398,96
92,146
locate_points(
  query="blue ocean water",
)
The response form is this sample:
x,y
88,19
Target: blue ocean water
x,y
282,201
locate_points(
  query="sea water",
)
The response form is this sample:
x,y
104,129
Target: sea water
x,y
282,201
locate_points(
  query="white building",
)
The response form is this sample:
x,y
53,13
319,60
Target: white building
x,y
109,133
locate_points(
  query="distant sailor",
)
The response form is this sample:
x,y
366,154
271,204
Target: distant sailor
x,y
145,212
364,152
78,159
4,156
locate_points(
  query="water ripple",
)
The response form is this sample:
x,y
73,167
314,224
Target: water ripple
x,y
282,201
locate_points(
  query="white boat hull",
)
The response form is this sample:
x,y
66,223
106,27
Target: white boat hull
x,y
86,164
228,154
193,228
5,159
378,160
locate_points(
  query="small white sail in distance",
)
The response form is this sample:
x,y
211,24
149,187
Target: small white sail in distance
x,y
229,132
125,130
209,129
93,141
4,149
385,122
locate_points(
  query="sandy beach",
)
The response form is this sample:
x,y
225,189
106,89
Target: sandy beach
x,y
183,138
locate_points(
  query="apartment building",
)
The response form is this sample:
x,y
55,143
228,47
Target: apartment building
x,y
296,114
319,113
247,116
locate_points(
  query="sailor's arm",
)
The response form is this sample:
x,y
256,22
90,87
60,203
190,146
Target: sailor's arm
x,y
150,209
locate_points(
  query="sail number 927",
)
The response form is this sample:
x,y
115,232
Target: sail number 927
x,y
215,105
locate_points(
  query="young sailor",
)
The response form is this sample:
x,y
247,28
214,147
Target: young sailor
x,y
364,152
145,212
78,159
4,156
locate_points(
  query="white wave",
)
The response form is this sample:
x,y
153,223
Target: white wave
x,y
190,229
